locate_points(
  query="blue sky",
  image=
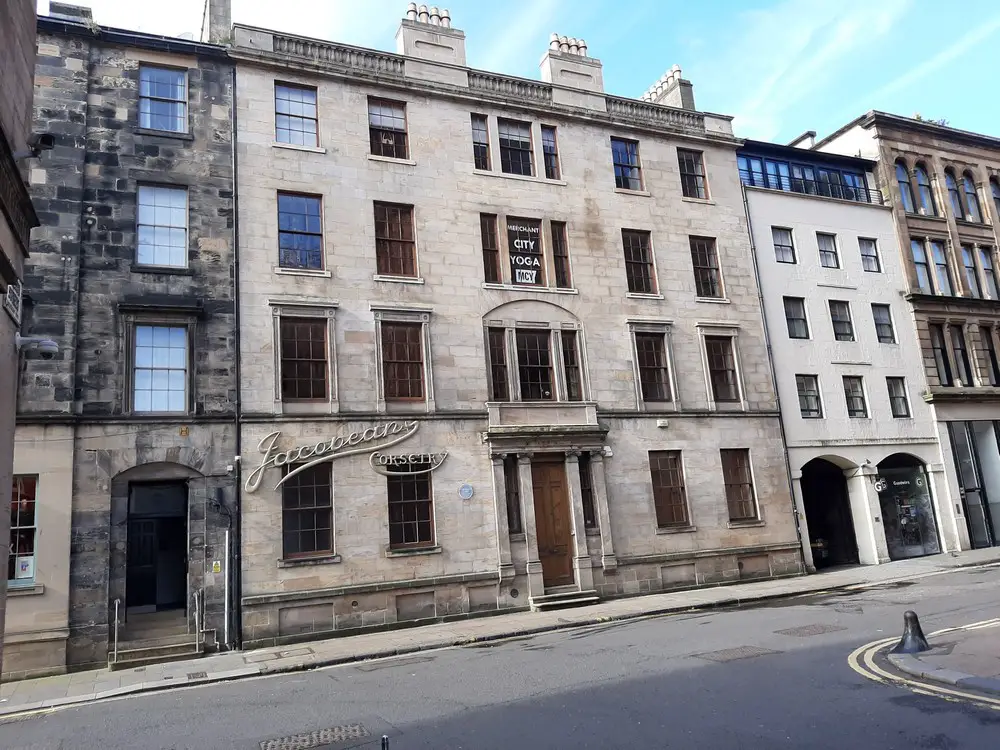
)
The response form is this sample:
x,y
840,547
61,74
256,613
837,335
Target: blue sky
x,y
780,66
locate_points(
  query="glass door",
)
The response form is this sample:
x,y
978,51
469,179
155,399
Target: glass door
x,y
970,484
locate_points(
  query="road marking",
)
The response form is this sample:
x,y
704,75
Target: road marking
x,y
862,661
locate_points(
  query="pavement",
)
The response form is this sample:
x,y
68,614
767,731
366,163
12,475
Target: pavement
x,y
967,657
84,687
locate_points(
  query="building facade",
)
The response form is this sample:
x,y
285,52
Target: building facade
x,y
126,437
501,343
945,190
17,217
862,443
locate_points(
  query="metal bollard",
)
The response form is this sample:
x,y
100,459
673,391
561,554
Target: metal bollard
x,y
913,640
385,742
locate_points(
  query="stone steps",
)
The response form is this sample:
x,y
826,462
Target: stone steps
x,y
562,598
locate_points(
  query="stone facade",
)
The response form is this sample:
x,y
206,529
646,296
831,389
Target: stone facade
x,y
835,457
97,448
501,454
944,185
17,217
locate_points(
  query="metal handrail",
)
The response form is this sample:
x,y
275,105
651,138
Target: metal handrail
x,y
114,654
801,185
197,618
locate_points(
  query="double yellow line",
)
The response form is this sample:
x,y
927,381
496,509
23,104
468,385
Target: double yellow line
x,y
862,661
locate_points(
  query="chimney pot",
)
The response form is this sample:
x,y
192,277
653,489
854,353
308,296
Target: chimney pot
x,y
424,15
446,18
574,46
554,42
583,48
411,12
435,16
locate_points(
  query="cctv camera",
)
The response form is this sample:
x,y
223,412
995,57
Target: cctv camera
x,y
36,346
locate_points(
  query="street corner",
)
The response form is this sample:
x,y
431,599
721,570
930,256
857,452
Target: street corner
x,y
960,663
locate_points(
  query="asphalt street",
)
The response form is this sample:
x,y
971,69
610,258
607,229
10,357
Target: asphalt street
x,y
773,676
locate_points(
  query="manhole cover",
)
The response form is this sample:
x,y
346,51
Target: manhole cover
x,y
849,609
316,739
806,631
735,654
197,675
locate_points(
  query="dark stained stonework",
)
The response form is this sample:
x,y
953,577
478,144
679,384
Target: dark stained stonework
x,y
85,291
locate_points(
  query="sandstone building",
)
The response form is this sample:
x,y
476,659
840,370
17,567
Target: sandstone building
x,y
945,189
124,437
501,343
868,476
17,217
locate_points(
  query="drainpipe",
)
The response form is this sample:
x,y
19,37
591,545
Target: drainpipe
x,y
774,374
236,590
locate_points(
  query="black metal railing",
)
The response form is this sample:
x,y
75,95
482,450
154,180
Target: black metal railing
x,y
811,187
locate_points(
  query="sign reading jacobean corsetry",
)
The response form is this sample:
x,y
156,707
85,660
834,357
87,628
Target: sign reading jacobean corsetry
x,y
525,250
406,463
304,456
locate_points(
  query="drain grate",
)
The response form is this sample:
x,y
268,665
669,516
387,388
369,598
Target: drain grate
x,y
316,739
197,675
735,654
807,631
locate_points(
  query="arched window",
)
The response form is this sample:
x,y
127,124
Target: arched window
x,y
995,190
905,190
925,192
973,211
953,194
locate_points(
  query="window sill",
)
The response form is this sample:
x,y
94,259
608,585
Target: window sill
x,y
676,529
163,270
35,589
408,552
703,201
714,300
523,178
640,193
520,288
301,562
974,224
592,531
519,536
165,134
745,524
157,414
303,272
391,160
642,295
398,279
932,217
297,147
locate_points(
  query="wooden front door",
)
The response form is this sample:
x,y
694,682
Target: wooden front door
x,y
552,524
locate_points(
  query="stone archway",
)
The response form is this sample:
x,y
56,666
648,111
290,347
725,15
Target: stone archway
x,y
827,506
907,506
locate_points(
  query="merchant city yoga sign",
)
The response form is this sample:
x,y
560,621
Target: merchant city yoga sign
x,y
372,440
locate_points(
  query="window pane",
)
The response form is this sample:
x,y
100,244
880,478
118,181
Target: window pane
x,y
571,366
491,248
638,262
534,364
708,282
903,182
560,255
411,509
497,344
940,353
898,401
161,228
480,142
295,115
300,234
307,512
162,99
160,362
810,405
784,249
387,128
403,361
722,368
625,159
692,173
883,324
854,392
669,495
739,484
654,375
869,255
395,248
971,273
840,315
828,257
515,147
549,153
942,273
512,487
795,317
303,359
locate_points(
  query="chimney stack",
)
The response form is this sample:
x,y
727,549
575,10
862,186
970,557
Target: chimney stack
x,y
217,22
426,34
566,63
67,12
671,90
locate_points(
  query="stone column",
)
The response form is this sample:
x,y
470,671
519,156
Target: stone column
x,y
949,526
581,557
608,559
536,585
503,529
803,522
866,512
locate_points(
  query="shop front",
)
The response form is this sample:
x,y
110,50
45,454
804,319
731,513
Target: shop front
x,y
975,449
907,507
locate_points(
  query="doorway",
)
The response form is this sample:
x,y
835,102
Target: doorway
x,y
828,514
907,507
156,553
977,460
552,522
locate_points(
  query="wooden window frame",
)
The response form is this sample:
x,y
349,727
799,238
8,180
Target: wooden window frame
x,y
558,331
385,243
644,247
550,153
743,480
824,253
395,485
882,334
400,137
322,470
789,321
166,320
707,332
510,151
707,269
697,180
939,351
482,158
186,101
896,398
15,549
790,247
287,360
489,235
403,315
628,173
872,256
512,494
304,119
307,232
802,390
859,397
587,497
846,332
670,502
141,188
563,275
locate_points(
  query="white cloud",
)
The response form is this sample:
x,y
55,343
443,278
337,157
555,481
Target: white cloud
x,y
786,53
